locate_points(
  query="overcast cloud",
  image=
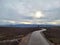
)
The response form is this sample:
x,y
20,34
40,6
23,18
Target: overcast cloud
x,y
23,10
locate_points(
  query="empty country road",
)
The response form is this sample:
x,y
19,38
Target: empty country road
x,y
37,38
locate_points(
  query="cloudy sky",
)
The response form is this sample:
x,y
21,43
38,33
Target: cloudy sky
x,y
29,11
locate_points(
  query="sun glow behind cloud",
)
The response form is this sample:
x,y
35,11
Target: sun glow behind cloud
x,y
56,22
38,14
25,22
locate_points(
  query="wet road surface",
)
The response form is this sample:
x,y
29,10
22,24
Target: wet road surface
x,y
38,39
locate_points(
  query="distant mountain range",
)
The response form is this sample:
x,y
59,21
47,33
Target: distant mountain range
x,y
28,25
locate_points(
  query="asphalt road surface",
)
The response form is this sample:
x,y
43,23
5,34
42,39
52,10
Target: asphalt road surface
x,y
37,38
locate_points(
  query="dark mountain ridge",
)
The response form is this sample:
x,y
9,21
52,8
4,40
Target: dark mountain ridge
x,y
28,25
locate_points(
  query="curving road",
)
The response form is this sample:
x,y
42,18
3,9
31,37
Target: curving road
x,y
37,38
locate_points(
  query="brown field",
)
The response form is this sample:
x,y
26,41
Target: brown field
x,y
13,32
53,34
